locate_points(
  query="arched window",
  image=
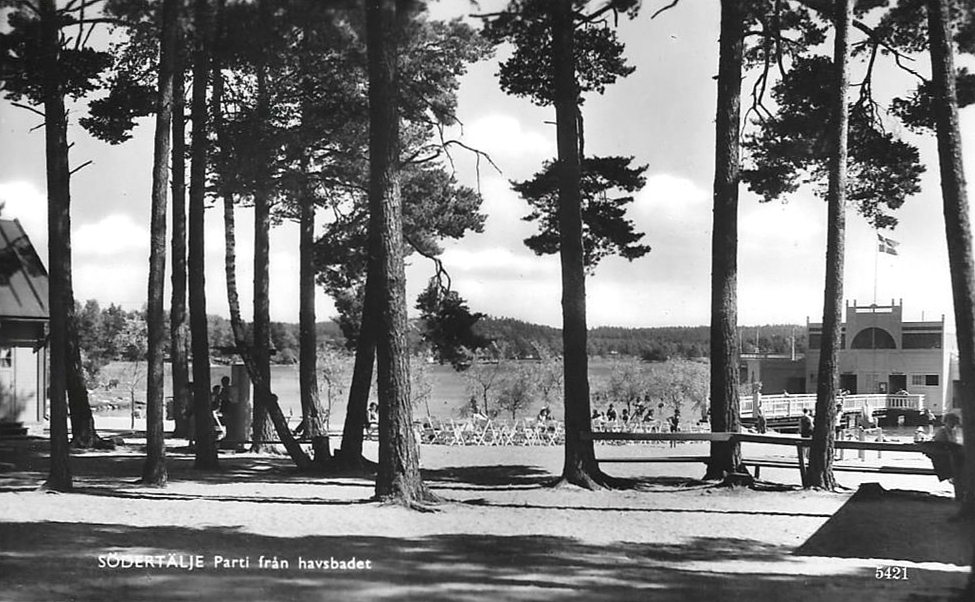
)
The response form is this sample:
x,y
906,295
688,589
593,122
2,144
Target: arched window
x,y
873,338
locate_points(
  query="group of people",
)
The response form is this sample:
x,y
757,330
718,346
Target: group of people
x,y
641,413
864,419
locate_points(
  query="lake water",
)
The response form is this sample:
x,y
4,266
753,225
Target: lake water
x,y
448,397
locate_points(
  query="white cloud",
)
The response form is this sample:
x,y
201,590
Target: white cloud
x,y
114,235
671,198
502,136
121,282
22,200
796,223
498,262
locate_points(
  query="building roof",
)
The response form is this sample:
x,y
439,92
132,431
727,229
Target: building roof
x,y
23,278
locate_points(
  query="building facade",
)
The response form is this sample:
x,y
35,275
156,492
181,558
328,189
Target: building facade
x,y
777,374
880,353
23,329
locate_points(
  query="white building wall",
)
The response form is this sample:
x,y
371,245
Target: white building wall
x,y
22,378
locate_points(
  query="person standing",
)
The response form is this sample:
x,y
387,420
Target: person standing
x,y
674,421
226,396
806,424
806,430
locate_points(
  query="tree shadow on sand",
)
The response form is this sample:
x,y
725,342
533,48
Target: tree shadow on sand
x,y
503,476
898,525
51,560
123,466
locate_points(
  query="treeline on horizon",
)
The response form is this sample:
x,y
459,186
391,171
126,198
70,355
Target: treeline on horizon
x,y
650,344
112,333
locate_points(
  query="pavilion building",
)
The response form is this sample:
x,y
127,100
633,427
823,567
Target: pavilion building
x,y
23,331
880,353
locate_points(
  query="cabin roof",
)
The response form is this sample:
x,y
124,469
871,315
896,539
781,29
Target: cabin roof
x,y
23,277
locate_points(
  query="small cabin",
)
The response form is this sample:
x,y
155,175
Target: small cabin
x,y
24,319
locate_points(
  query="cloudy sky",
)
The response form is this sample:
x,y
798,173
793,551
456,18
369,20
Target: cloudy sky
x,y
663,114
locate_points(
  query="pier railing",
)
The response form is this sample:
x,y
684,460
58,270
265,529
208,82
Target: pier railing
x,y
783,406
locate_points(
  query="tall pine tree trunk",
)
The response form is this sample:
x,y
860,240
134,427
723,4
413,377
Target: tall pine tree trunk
x,y
206,445
580,466
262,385
178,324
278,421
311,406
958,231
154,468
311,413
820,470
83,433
398,478
59,251
356,414
261,427
725,417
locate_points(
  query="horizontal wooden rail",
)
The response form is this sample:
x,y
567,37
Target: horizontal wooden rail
x,y
656,459
798,443
838,444
759,463
611,436
790,440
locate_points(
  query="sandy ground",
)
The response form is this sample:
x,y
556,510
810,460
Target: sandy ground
x,y
502,534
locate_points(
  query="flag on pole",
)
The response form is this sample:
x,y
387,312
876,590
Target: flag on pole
x,y
887,245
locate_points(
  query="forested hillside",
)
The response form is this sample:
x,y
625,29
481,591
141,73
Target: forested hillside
x,y
652,344
113,333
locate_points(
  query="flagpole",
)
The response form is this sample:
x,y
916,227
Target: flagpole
x,y
876,259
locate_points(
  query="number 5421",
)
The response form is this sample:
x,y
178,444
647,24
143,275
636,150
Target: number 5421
x,y
891,572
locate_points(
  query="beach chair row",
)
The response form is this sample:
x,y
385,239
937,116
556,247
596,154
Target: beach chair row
x,y
490,432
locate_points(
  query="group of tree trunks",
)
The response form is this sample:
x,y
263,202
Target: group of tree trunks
x,y
381,337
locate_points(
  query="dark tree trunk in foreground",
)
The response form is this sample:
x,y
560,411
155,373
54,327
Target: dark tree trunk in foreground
x,y
958,229
958,233
178,324
261,427
262,385
820,470
83,433
580,459
154,468
311,406
725,417
311,413
398,478
59,250
365,358
206,445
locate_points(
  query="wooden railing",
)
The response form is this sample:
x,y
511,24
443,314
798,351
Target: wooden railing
x,y
782,406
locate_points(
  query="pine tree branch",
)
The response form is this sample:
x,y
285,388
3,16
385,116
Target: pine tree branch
x,y
29,108
664,9
80,167
441,272
825,9
477,152
74,6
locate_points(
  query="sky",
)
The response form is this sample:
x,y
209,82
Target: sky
x,y
663,114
